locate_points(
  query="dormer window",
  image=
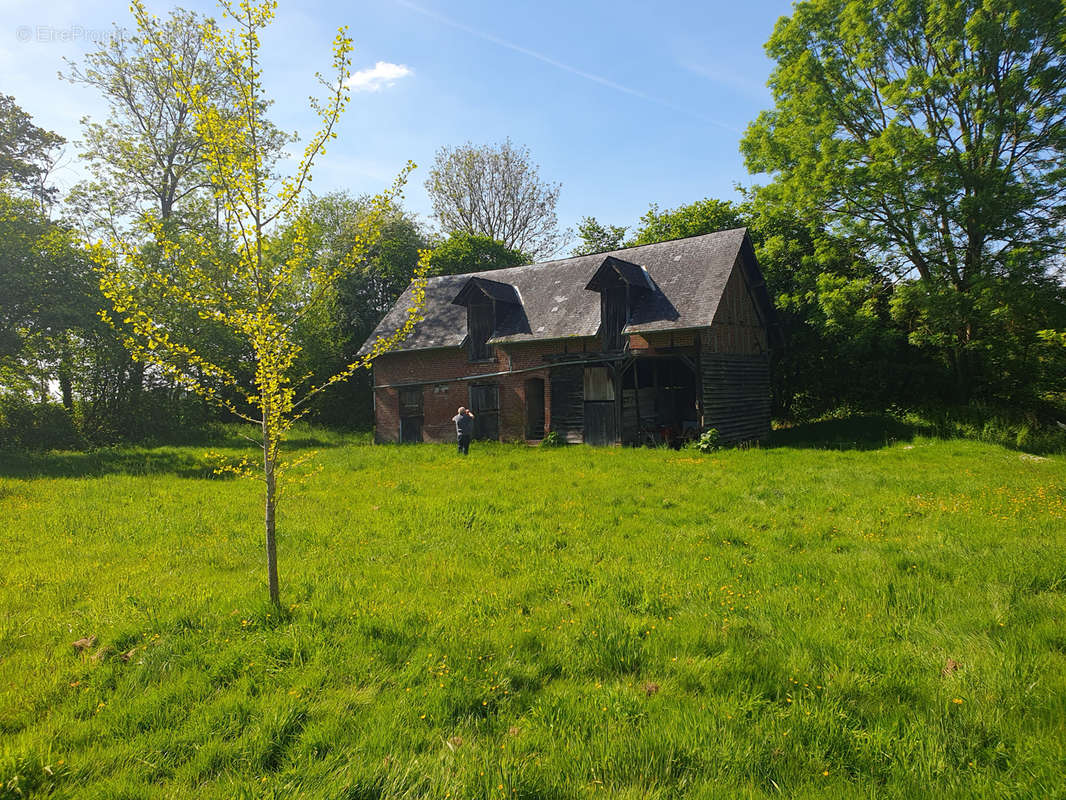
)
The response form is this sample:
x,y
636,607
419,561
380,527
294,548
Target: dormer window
x,y
487,303
480,323
614,314
620,284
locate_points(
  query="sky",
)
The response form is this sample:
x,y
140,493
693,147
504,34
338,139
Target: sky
x,y
624,103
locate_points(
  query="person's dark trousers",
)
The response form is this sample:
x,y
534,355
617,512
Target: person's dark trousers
x,y
464,445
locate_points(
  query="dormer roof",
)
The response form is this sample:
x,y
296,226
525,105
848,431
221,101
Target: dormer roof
x,y
496,290
613,270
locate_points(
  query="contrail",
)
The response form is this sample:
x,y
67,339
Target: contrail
x,y
589,76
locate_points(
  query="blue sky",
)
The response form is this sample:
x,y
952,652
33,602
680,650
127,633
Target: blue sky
x,y
625,103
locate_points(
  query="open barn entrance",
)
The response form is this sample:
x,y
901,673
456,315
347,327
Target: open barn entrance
x,y
660,401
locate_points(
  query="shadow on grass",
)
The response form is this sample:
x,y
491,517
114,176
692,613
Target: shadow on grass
x,y
104,462
159,460
859,432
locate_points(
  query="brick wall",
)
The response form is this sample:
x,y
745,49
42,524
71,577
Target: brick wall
x,y
438,373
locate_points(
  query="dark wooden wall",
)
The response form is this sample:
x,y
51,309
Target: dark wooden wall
x,y
568,402
736,395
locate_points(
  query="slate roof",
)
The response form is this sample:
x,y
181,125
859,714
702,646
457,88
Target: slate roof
x,y
689,276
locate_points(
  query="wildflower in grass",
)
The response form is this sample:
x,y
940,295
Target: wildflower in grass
x,y
957,701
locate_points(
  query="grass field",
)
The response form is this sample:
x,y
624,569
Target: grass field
x,y
877,619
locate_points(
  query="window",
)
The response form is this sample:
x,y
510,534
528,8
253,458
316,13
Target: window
x,y
614,313
480,323
599,385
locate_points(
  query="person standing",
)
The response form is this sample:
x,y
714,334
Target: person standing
x,y
464,427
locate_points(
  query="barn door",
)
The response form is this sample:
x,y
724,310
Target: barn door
x,y
411,414
485,403
535,408
600,414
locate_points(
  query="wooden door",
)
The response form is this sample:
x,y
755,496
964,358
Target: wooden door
x,y
485,403
411,414
535,408
601,426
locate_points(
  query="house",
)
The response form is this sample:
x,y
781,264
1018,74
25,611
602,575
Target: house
x,y
638,345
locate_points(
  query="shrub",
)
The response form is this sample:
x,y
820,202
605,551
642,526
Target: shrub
x,y
25,425
552,439
708,441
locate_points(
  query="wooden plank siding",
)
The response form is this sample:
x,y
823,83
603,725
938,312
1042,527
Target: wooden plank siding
x,y
736,395
568,402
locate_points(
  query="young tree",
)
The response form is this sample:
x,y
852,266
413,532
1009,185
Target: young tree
x,y
496,191
934,130
256,294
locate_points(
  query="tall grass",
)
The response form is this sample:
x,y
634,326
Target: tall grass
x,y
881,620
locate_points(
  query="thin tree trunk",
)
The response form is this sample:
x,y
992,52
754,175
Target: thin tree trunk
x,y
271,499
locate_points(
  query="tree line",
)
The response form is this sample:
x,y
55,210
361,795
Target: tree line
x,y
910,226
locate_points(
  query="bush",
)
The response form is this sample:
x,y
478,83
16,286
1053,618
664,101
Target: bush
x,y
708,441
25,425
552,440
1032,432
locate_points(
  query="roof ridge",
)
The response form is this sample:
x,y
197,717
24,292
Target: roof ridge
x,y
588,255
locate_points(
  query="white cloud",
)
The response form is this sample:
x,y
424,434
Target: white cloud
x,y
381,76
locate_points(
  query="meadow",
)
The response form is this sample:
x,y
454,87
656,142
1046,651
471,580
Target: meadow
x,y
872,618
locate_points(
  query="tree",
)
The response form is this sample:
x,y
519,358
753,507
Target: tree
x,y
935,132
363,296
840,345
595,238
703,216
495,191
257,293
27,152
148,154
47,297
461,253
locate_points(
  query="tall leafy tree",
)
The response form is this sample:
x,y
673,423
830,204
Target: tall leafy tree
x,y
341,324
250,290
147,156
693,219
935,132
594,237
466,252
496,191
27,152
148,153
840,345
47,299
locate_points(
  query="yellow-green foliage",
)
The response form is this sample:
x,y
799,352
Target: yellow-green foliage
x,y
242,286
561,622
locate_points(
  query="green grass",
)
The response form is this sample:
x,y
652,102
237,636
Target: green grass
x,y
530,623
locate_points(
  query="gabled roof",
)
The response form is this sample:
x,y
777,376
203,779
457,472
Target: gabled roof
x,y
501,292
687,277
614,269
